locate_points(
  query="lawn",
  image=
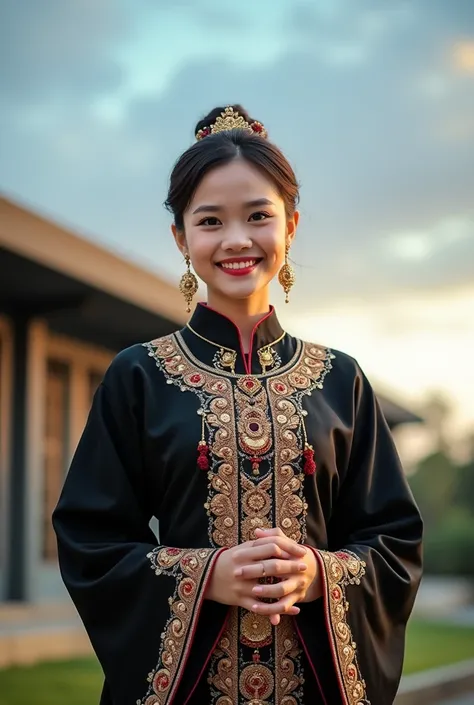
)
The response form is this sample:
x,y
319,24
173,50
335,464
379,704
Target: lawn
x,y
79,682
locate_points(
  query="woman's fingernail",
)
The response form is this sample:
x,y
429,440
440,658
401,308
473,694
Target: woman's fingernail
x,y
255,607
257,590
302,566
238,572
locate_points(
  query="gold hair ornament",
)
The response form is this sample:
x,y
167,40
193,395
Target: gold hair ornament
x,y
230,119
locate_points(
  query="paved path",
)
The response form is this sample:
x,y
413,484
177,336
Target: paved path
x,y
462,700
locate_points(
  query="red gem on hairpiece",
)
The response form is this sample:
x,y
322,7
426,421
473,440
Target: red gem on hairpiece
x,y
257,127
205,132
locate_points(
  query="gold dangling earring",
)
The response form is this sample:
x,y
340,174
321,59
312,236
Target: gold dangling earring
x,y
286,275
188,284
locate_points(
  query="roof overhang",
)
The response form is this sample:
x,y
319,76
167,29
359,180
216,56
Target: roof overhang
x,y
81,288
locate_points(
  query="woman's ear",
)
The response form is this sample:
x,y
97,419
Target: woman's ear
x,y
291,227
180,239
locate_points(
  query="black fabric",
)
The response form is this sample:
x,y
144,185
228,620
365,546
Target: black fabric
x,y
137,460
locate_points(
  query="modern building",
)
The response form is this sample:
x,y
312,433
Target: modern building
x,y
67,306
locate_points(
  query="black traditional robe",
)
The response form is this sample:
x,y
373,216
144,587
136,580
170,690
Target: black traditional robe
x,y
214,443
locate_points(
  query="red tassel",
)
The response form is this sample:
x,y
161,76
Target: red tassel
x,y
309,467
203,452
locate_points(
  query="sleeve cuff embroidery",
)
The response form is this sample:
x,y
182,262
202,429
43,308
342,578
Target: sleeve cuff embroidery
x,y
191,569
341,569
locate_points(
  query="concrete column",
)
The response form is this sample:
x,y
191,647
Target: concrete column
x,y
29,378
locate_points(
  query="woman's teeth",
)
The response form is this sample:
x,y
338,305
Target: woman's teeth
x,y
239,265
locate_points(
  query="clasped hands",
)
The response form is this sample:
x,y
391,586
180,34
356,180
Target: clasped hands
x,y
237,576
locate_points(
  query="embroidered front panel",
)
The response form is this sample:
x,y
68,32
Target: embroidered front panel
x,y
223,676
286,392
216,398
187,567
340,570
256,443
289,677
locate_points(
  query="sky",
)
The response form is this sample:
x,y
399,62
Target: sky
x,y
372,102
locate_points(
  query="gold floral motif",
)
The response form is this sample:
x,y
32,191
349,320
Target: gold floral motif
x,y
256,683
262,422
341,569
215,394
256,506
223,673
288,652
285,392
255,630
253,423
188,567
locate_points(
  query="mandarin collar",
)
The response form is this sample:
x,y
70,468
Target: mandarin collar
x,y
215,330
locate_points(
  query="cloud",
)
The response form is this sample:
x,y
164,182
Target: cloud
x,y
343,88
55,52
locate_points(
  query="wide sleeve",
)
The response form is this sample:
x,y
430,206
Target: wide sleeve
x,y
142,604
372,568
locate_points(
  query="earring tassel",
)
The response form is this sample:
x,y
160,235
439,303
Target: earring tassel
x,y
309,466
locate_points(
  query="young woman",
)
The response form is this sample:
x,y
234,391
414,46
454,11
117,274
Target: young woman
x,y
290,544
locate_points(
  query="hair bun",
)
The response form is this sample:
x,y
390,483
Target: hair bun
x,y
216,112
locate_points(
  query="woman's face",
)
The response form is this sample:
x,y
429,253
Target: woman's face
x,y
235,231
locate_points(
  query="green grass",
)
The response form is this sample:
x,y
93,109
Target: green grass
x,y
430,645
56,683
79,682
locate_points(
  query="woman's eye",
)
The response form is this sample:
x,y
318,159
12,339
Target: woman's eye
x,y
259,216
210,221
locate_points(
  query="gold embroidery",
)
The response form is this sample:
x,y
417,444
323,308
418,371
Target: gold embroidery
x,y
256,506
256,630
253,425
215,394
223,373
188,567
288,652
285,404
223,673
227,357
340,570
256,683
265,421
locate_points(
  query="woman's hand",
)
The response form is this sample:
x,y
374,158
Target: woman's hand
x,y
293,585
230,585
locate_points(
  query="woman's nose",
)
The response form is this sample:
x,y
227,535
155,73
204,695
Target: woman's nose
x,y
236,239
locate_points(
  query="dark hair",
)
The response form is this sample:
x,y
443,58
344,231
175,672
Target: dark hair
x,y
220,149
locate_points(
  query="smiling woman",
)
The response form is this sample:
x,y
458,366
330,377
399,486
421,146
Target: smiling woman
x,y
289,543
233,196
